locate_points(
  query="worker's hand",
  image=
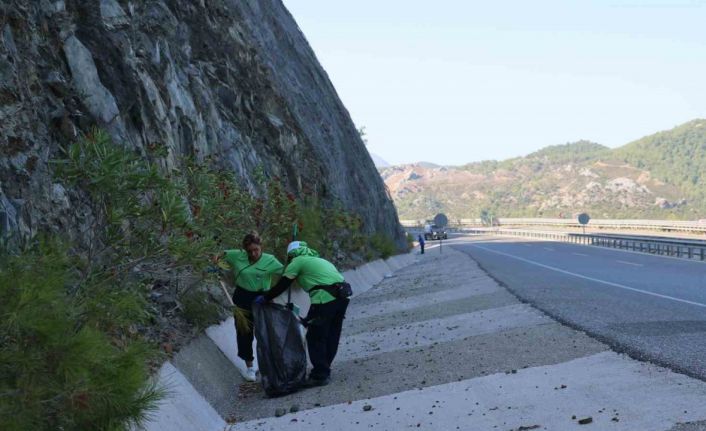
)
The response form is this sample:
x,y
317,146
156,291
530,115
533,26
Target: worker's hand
x,y
304,322
260,300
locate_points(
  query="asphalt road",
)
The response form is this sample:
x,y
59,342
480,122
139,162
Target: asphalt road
x,y
440,345
652,308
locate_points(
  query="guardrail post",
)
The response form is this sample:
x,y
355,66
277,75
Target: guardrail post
x,y
691,253
702,253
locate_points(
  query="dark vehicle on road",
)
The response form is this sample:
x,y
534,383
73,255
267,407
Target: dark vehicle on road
x,y
432,231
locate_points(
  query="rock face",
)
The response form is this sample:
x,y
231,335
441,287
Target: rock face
x,y
230,81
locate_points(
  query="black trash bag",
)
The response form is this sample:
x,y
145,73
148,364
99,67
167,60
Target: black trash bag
x,y
281,353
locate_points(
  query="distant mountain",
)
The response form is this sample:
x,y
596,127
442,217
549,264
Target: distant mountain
x,y
659,176
428,165
379,161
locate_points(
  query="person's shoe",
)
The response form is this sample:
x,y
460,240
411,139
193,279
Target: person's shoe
x,y
250,374
312,383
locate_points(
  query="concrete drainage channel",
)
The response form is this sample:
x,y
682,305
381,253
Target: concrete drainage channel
x,y
438,346
203,378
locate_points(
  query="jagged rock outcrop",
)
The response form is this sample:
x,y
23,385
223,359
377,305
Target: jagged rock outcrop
x,y
231,81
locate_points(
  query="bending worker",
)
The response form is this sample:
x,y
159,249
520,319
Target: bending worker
x,y
329,300
252,276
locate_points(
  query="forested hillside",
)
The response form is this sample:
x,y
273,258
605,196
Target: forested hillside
x,y
658,176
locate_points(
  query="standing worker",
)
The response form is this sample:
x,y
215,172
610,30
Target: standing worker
x,y
420,238
252,276
329,294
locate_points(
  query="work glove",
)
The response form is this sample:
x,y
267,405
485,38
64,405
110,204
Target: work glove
x,y
211,269
260,300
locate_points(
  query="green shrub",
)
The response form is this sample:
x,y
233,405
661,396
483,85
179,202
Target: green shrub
x,y
312,226
332,231
59,369
199,310
410,240
71,353
383,245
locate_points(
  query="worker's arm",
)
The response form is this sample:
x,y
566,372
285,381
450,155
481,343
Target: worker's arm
x,y
277,289
225,268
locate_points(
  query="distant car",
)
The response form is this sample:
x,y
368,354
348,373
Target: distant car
x,y
432,231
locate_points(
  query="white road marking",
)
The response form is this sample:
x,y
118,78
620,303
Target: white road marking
x,y
629,263
609,283
617,250
548,248
579,254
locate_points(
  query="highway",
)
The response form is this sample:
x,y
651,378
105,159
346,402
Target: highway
x,y
651,307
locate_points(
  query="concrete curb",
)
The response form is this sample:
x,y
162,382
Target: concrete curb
x,y
184,409
196,395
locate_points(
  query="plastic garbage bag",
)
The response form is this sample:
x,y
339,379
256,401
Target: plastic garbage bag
x,y
281,353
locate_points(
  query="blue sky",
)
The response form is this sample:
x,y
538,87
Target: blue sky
x,y
457,81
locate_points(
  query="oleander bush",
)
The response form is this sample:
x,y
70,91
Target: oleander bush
x,y
80,322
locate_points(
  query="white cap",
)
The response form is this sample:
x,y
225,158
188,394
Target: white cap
x,y
292,246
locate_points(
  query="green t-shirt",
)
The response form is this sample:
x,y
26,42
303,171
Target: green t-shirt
x,y
310,271
256,277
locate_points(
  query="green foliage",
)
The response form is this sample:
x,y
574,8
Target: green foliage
x,y
487,218
277,213
199,310
571,152
410,240
363,135
562,180
312,228
330,230
242,319
71,351
676,156
58,369
383,245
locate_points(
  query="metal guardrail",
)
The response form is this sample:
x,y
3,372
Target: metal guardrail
x,y
663,225
688,249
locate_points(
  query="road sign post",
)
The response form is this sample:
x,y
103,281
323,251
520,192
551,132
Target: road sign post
x,y
440,220
583,220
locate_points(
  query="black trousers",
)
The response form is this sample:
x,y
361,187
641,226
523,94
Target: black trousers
x,y
323,334
243,299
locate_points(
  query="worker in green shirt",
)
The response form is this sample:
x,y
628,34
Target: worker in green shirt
x,y
329,300
252,276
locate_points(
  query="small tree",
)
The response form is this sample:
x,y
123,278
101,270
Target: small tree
x,y
363,135
488,218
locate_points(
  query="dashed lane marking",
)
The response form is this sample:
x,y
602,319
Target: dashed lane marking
x,y
608,283
629,263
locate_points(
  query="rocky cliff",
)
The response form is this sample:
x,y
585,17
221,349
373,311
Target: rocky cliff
x,y
232,82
